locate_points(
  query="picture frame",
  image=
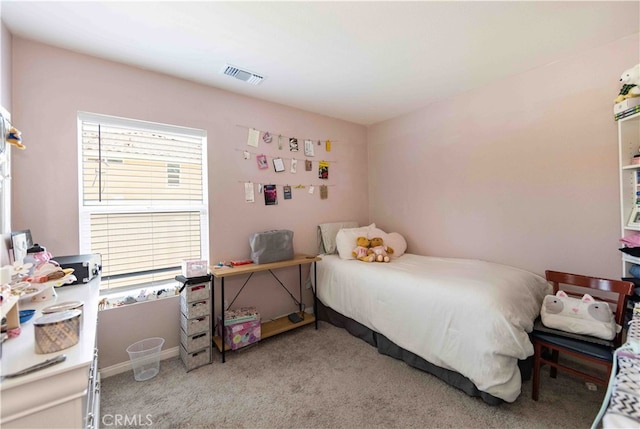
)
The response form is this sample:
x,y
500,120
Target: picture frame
x,y
262,161
278,165
21,241
270,195
308,148
634,219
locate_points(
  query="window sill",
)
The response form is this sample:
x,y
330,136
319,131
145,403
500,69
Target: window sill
x,y
109,300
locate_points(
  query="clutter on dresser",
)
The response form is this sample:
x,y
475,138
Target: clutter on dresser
x,y
85,267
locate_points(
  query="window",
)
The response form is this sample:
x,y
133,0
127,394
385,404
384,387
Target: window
x,y
143,198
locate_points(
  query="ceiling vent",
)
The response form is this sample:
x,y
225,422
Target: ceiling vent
x,y
244,75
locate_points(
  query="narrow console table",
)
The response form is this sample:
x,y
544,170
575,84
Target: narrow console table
x,y
272,327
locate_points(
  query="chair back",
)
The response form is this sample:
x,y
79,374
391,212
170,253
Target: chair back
x,y
613,292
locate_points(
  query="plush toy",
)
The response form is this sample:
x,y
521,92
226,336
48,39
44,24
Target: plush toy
x,y
630,84
14,137
584,316
380,251
362,251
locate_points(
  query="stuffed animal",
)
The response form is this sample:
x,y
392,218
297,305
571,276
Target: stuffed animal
x,y
380,251
14,137
362,251
630,84
579,316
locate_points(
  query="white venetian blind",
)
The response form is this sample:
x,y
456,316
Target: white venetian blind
x,y
143,198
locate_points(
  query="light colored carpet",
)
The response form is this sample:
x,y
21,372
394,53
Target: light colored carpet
x,y
327,378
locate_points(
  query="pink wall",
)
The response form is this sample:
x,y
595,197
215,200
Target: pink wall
x,y
51,85
523,172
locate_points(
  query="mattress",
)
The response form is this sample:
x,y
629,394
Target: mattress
x,y
468,316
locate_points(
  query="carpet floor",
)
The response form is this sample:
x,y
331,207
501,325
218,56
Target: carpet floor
x,y
327,378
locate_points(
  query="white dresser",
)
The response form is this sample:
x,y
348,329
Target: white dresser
x,y
65,395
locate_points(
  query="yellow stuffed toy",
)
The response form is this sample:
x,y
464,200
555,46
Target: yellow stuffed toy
x,y
362,251
380,251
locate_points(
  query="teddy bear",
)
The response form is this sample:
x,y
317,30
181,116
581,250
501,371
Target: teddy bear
x,y
380,251
362,251
630,84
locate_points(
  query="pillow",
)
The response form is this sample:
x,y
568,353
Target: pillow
x,y
327,235
397,242
346,239
584,316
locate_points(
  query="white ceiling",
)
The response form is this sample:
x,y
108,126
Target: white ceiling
x,y
359,61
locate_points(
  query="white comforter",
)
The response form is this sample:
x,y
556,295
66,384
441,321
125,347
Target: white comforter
x,y
465,315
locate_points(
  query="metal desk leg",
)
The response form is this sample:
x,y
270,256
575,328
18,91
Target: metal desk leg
x,y
300,286
315,294
222,317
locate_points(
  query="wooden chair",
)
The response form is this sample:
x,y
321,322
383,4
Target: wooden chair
x,y
591,349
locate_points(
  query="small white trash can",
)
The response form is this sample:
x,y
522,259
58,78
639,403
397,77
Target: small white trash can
x,y
145,358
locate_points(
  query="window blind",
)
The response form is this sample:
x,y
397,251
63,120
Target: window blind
x,y
143,198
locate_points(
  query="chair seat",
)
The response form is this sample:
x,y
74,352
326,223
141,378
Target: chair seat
x,y
594,347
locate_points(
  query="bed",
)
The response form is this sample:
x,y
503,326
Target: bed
x,y
465,321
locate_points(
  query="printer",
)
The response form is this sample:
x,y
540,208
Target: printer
x,y
85,267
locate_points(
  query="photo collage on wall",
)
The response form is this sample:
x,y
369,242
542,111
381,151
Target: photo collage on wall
x,y
307,147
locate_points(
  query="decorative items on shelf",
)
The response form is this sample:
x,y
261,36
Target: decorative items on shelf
x,y
627,102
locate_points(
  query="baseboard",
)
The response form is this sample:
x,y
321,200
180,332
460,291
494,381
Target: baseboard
x,y
121,367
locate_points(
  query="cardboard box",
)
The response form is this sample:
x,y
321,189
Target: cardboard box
x,y
240,334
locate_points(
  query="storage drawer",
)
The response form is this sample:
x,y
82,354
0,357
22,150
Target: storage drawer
x,y
196,359
196,292
195,342
195,326
195,308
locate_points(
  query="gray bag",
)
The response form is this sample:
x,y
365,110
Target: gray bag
x,y
271,246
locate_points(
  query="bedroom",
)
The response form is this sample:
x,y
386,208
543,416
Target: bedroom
x,y
521,170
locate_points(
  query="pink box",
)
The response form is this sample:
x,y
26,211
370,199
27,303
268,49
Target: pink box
x,y
241,334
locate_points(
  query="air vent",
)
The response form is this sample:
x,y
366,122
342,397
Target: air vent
x,y
244,75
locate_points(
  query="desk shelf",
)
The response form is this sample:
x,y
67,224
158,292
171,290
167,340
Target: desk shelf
x,y
271,328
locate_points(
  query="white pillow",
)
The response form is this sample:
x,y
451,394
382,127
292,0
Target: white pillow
x,y
584,316
397,242
346,239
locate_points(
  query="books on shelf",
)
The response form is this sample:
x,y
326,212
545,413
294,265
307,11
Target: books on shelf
x,y
627,107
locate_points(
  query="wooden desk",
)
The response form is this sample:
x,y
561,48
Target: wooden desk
x,y
281,324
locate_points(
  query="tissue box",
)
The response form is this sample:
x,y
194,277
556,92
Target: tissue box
x,y
194,268
240,334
